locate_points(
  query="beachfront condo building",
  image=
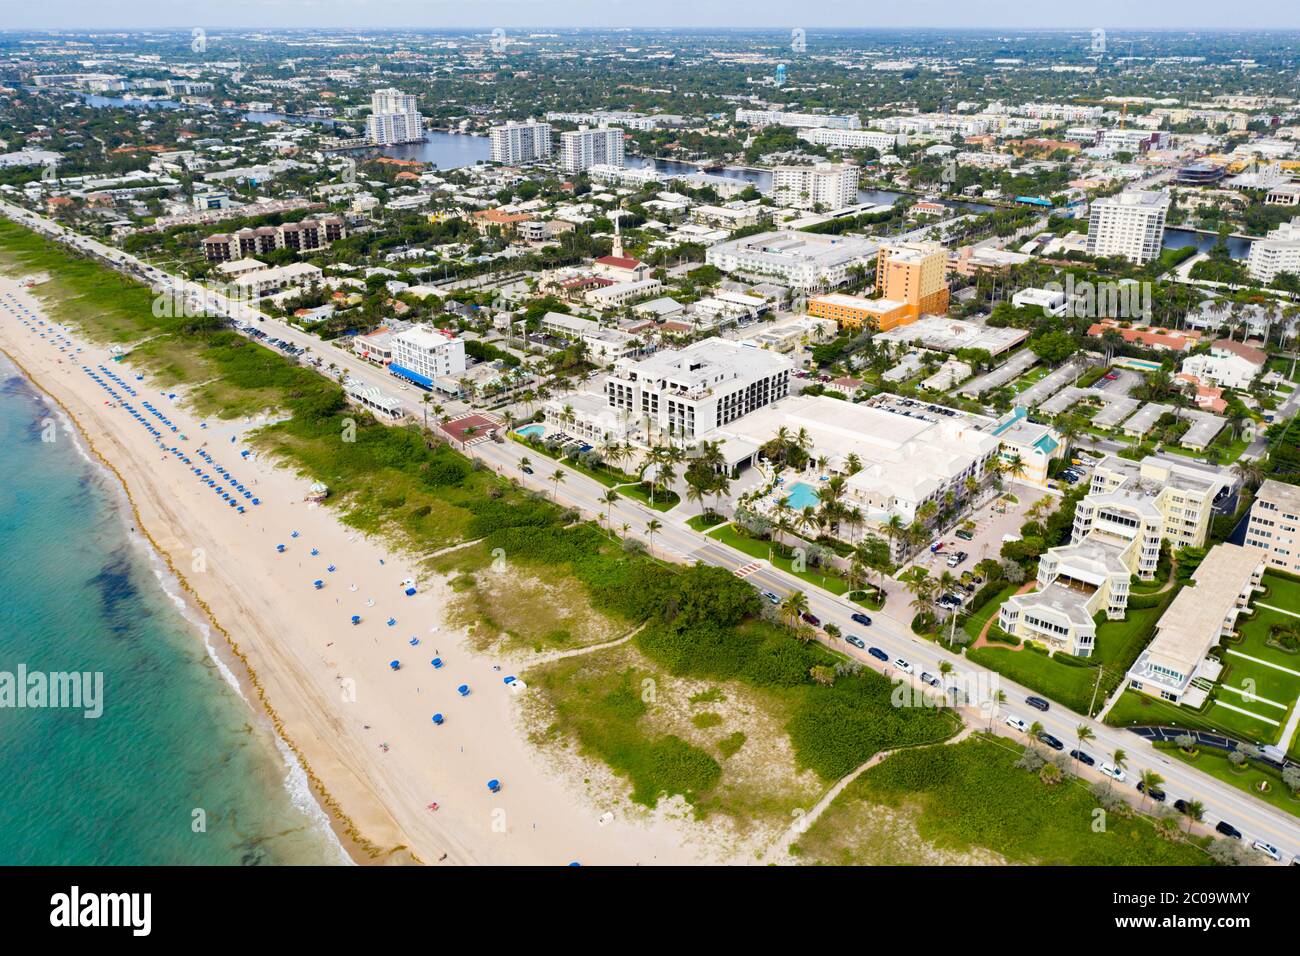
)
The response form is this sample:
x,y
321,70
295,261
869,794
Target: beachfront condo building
x,y
584,147
826,186
1176,665
1277,252
430,358
912,274
304,236
394,118
1129,224
515,143
694,390
1274,520
1119,526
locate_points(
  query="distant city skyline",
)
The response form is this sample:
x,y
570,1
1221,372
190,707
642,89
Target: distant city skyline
x,y
1118,15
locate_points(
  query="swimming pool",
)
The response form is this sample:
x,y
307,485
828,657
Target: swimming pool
x,y
532,431
801,495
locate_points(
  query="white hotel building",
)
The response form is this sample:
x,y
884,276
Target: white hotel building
x,y
694,390
1129,224
853,138
584,147
1277,252
394,118
829,186
515,143
804,260
782,118
423,355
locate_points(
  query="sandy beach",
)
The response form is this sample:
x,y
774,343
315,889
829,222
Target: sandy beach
x,y
363,731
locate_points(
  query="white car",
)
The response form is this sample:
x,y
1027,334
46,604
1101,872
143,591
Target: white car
x,y
1015,723
904,666
1112,771
1268,850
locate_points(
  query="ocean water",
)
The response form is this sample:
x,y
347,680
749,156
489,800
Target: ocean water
x,y
179,768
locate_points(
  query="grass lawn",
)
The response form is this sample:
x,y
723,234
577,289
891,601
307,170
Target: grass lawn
x,y
754,547
976,621
1072,684
664,500
606,475
971,795
703,523
1215,763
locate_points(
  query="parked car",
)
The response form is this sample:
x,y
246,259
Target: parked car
x,y
1037,703
903,665
1053,742
1158,796
1083,758
771,597
856,642
1015,723
877,653
965,535
1268,849
809,618
928,678
860,619
1110,770
527,470
1227,829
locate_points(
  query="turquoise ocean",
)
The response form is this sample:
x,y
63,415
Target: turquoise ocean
x,y
179,768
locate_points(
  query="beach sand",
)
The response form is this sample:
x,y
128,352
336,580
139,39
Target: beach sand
x,y
363,731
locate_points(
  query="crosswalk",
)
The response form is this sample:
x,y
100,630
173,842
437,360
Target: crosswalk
x,y
748,569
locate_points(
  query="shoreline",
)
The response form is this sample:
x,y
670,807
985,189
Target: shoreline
x,y
197,612
277,643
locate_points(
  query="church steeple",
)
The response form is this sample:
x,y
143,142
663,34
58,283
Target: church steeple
x,y
618,235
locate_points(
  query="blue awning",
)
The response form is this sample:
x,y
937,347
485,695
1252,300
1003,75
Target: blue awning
x,y
406,373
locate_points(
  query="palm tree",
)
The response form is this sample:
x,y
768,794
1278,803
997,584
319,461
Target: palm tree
x,y
652,528
794,607
1118,759
999,698
1194,810
1015,465
1082,734
525,463
556,478
609,498
1150,781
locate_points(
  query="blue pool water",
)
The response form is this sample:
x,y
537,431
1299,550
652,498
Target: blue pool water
x,y
801,495
532,431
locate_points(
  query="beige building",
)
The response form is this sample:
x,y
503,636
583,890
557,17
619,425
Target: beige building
x,y
1274,518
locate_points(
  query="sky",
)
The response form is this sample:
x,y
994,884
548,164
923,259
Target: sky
x,y
1114,15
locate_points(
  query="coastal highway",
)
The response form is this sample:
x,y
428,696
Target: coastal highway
x,y
1255,819
676,541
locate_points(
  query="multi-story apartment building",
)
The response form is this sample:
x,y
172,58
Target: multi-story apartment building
x,y
1176,665
423,355
1130,509
804,260
1277,252
912,273
699,388
514,143
1274,520
603,345
1129,224
853,138
783,118
301,236
827,186
584,147
394,118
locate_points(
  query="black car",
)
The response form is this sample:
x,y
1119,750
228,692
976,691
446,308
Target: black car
x,y
1051,741
527,470
1083,758
878,654
861,619
1227,829
856,641
1180,806
1157,795
1037,703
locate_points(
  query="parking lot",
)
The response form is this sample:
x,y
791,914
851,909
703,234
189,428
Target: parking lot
x,y
1001,516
